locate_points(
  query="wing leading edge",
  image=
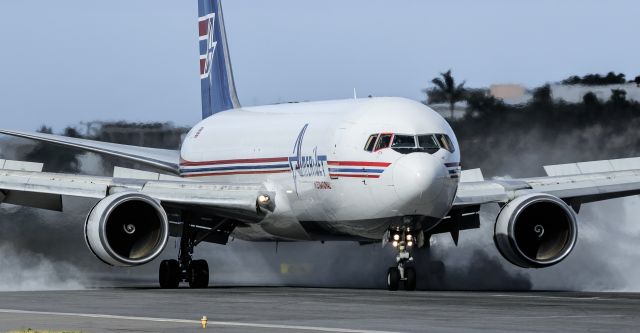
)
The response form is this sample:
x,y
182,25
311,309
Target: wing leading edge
x,y
161,159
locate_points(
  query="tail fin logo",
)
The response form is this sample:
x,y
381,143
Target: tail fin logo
x,y
207,34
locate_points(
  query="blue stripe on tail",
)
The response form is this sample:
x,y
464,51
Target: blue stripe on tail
x,y
216,76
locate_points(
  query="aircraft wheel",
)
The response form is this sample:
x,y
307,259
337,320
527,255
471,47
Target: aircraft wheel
x,y
169,274
410,282
393,278
199,274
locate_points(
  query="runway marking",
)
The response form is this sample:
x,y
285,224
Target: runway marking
x,y
196,322
594,298
561,317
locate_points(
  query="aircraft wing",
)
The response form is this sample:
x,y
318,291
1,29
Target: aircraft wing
x,y
45,191
162,159
575,183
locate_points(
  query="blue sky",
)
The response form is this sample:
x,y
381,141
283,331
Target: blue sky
x,y
69,61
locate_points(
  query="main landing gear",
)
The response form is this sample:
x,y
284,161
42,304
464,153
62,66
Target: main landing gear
x,y
402,240
185,269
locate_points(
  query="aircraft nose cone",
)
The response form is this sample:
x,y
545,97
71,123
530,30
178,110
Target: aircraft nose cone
x,y
418,177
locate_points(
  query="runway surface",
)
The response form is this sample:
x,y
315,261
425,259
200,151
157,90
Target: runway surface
x,y
258,309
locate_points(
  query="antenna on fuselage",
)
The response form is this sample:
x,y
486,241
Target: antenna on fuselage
x,y
355,94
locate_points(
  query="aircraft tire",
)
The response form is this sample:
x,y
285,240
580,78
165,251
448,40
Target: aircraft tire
x,y
393,279
199,274
169,274
410,282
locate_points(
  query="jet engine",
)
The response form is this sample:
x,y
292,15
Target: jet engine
x,y
536,230
127,229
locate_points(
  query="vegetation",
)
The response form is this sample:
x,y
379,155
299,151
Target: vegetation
x,y
596,79
517,140
446,90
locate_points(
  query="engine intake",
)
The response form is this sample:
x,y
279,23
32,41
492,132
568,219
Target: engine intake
x,y
536,230
127,229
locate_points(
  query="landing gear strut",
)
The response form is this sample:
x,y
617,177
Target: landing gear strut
x,y
403,241
185,269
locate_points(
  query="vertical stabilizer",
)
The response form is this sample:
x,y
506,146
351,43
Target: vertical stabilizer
x,y
216,76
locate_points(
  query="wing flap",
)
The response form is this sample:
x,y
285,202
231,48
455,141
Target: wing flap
x,y
20,166
471,175
32,199
624,164
50,183
590,187
575,182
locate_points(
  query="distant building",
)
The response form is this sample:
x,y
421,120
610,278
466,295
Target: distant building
x,y
510,93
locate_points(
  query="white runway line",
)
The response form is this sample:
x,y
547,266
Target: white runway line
x,y
594,298
563,317
195,322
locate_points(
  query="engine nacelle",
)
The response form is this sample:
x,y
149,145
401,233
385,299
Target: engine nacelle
x,y
127,229
536,230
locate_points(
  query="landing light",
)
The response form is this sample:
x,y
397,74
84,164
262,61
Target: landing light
x,y
395,243
409,237
396,237
263,199
409,243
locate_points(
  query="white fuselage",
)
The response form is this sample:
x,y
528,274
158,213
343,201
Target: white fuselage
x,y
313,156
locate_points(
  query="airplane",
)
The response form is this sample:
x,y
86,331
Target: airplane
x,y
367,170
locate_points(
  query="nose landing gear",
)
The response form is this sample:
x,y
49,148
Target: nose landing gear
x,y
402,240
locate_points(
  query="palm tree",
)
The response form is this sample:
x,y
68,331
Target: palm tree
x,y
446,90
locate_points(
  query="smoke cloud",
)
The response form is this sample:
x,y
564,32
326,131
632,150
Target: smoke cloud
x,y
23,270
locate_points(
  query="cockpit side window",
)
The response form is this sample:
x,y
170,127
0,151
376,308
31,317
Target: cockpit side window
x,y
445,142
384,141
371,142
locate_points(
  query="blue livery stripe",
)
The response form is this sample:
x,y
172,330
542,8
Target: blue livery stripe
x,y
320,158
357,170
238,167
203,47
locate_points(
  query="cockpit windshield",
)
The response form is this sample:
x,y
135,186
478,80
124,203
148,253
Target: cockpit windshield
x,y
428,142
406,144
403,141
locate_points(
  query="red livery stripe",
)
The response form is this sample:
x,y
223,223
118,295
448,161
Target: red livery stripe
x,y
353,175
203,27
235,173
239,161
203,66
357,163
